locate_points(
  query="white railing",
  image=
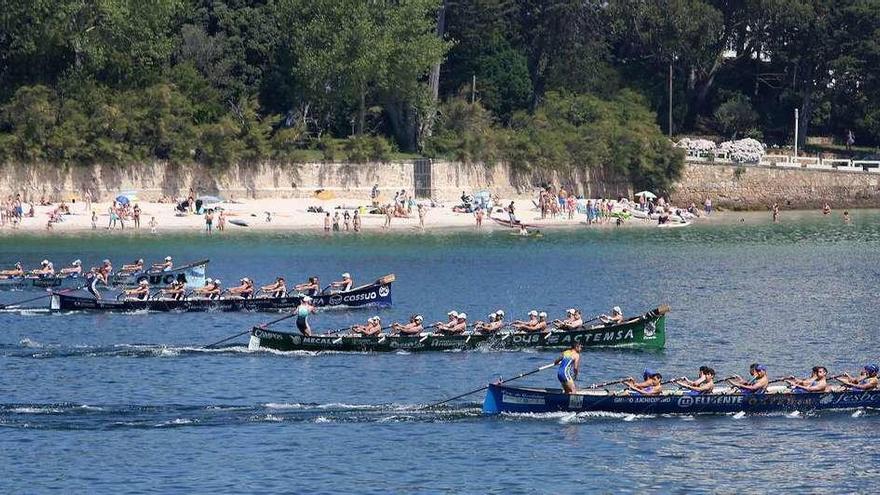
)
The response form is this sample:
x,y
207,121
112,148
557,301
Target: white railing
x,y
808,162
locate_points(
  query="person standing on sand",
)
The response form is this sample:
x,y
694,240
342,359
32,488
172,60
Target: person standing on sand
x,y
572,206
478,215
511,213
775,212
112,211
209,221
374,195
336,221
153,225
136,216
346,221
221,220
707,206
94,220
356,221
422,211
389,212
327,222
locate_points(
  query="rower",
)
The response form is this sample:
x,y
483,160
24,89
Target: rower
x,y
343,285
137,266
245,290
817,382
75,268
166,266
98,275
867,379
650,384
276,289
414,327
758,382
704,384
46,269
615,318
139,293
572,321
175,291
537,322
495,323
458,327
18,271
371,329
569,366
211,290
303,311
312,288
443,326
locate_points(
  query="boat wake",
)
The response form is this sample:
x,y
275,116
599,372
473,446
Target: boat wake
x,y
72,416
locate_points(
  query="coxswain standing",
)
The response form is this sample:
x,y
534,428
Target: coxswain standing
x,y
245,290
615,318
98,275
75,268
704,384
343,285
572,321
867,379
275,290
311,288
569,366
139,293
371,329
650,384
414,327
211,290
817,382
303,311
758,382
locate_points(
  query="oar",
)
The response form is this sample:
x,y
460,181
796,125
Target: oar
x,y
264,325
605,384
48,294
521,375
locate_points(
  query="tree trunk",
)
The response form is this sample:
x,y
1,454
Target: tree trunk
x,y
362,111
435,70
805,116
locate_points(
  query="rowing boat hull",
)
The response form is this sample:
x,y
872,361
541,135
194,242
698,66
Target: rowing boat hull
x,y
509,224
645,332
509,399
370,295
191,274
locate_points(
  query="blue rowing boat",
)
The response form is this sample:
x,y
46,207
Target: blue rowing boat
x,y
510,399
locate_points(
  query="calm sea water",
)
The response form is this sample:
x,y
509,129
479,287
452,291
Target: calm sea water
x,y
129,404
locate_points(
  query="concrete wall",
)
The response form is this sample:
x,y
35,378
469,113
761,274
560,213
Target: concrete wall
x,y
155,180
757,187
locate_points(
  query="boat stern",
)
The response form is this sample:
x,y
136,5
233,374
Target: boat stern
x,y
54,301
492,402
254,342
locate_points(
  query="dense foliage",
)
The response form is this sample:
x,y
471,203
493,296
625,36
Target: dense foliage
x,y
540,83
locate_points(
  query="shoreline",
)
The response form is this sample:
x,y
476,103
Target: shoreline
x,y
291,215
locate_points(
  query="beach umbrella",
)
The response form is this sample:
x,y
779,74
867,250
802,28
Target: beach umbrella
x,y
123,200
647,194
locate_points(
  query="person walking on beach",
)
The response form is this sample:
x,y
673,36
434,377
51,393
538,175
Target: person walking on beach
x,y
221,220
511,212
327,222
707,206
422,211
112,211
94,220
356,221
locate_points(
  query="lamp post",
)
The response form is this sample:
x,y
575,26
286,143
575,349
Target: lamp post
x,y
795,131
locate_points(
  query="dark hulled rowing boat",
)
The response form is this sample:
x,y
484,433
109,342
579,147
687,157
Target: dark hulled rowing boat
x,y
510,399
509,224
375,294
645,332
191,274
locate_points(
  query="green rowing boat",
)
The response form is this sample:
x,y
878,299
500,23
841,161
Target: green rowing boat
x,y
647,331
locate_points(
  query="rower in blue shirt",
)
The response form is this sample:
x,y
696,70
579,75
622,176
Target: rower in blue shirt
x,y
758,382
867,379
704,384
569,366
817,382
650,384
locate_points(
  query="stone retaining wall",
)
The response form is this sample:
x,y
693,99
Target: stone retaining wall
x,y
757,187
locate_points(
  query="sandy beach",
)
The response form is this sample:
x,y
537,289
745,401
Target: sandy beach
x,y
288,215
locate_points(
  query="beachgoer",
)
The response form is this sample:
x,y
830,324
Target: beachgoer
x,y
707,205
511,213
389,212
775,212
346,220
826,209
327,222
374,195
221,220
569,366
209,220
153,225
336,221
478,215
356,221
422,212
846,218
136,216
94,220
